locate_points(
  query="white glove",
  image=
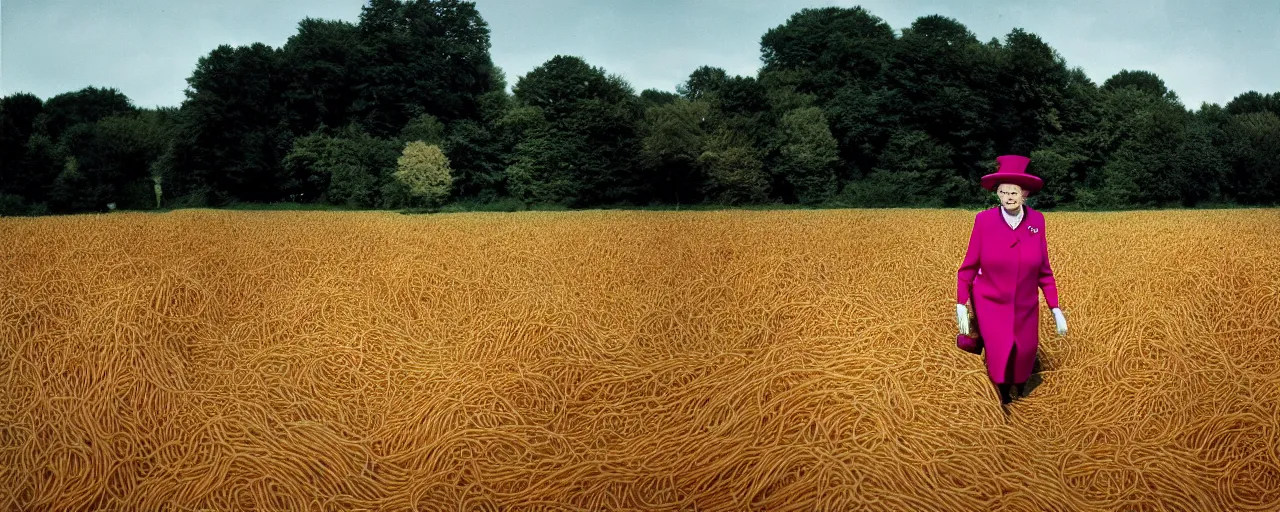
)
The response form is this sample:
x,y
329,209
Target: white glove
x,y
1061,320
962,319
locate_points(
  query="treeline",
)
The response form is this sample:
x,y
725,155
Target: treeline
x,y
844,112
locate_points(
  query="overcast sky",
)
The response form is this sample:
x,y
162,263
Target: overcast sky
x,y
1206,51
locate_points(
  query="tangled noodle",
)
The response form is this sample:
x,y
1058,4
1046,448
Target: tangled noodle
x,y
786,360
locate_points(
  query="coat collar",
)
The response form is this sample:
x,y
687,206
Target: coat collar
x,y
1029,228
1028,215
1018,218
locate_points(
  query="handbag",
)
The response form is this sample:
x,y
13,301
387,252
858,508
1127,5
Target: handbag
x,y
971,344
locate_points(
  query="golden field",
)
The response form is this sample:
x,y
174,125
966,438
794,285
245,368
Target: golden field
x,y
733,360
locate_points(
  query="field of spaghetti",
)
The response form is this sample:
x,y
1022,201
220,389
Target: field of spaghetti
x,y
734,360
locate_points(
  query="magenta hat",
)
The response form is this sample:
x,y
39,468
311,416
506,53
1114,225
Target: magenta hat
x,y
1013,169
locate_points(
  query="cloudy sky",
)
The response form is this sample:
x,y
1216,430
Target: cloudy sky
x,y
1206,51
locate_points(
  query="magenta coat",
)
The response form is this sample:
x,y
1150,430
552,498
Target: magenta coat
x,y
1006,299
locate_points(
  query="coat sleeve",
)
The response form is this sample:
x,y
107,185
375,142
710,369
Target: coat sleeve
x,y
969,267
1046,281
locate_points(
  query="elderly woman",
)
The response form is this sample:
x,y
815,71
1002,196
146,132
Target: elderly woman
x,y
1004,268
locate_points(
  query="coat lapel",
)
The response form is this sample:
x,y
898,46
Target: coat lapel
x,y
1011,235
1027,230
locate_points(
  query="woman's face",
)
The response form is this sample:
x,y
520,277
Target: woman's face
x,y
1010,195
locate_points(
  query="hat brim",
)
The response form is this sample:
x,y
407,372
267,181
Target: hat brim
x,y
1028,182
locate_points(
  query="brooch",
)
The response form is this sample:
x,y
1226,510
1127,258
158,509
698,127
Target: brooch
x,y
1033,229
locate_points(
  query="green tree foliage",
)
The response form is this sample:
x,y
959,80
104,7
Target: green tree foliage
x,y
654,97
584,149
1253,102
940,70
235,132
674,135
87,105
321,62
1253,155
808,155
477,152
111,160
1144,81
840,55
1055,169
424,128
421,57
735,172
1027,93
351,168
835,46
914,171
97,125
844,110
424,171
703,81
21,176
1154,153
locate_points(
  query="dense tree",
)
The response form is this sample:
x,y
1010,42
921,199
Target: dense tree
x,y
424,128
479,149
843,110
424,171
87,105
421,57
113,163
21,176
18,113
840,55
1253,153
835,46
235,132
674,137
654,97
584,149
350,168
1027,93
940,70
703,81
321,62
914,171
1144,81
735,172
808,155
933,68
1254,102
